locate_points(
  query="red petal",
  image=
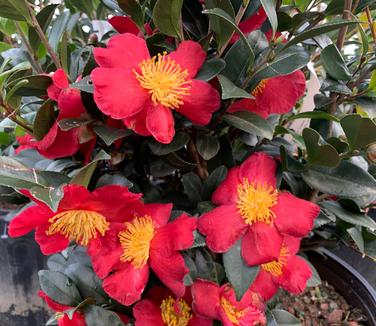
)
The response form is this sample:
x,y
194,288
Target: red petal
x,y
50,244
189,55
59,79
75,197
147,313
137,123
177,235
170,268
294,275
117,92
294,216
206,299
249,105
160,213
70,104
53,92
251,24
264,285
292,244
124,24
261,244
160,123
29,219
78,319
227,191
201,102
123,51
218,237
127,284
260,168
199,321
105,261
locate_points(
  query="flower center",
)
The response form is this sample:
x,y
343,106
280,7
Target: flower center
x,y
259,88
135,240
232,313
175,312
275,267
78,225
165,80
255,201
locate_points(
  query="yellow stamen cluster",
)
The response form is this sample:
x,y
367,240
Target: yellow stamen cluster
x,y
175,313
275,267
165,80
255,201
135,240
259,88
78,225
232,313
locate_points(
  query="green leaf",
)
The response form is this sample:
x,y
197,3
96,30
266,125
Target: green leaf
x,y
97,316
180,140
58,28
357,237
213,181
167,17
85,85
321,29
347,216
44,18
279,317
207,146
4,46
298,139
319,152
250,122
59,288
192,187
360,131
347,180
237,271
44,120
37,85
15,9
372,82
84,174
315,279
334,63
230,90
68,124
51,196
223,29
210,69
269,7
110,134
226,17
320,115
133,8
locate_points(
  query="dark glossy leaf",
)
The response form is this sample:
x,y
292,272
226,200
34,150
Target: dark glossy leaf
x,y
210,69
192,187
85,84
347,180
207,146
111,134
250,122
133,8
360,132
180,140
334,63
213,181
237,271
194,22
357,237
279,317
113,5
230,90
67,124
347,216
37,85
321,115
269,7
289,163
319,152
15,9
97,316
167,17
44,120
59,288
58,28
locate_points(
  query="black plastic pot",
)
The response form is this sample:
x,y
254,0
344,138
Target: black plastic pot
x,y
347,281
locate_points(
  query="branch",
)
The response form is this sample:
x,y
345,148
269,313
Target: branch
x,y
201,165
371,25
342,32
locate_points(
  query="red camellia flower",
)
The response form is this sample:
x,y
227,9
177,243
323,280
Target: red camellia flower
x,y
161,308
63,319
144,91
289,271
78,318
82,217
219,303
274,95
252,208
146,240
59,143
124,24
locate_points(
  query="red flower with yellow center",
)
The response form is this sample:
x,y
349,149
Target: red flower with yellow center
x,y
143,91
289,271
146,240
252,209
276,95
59,143
161,308
219,303
77,319
82,217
